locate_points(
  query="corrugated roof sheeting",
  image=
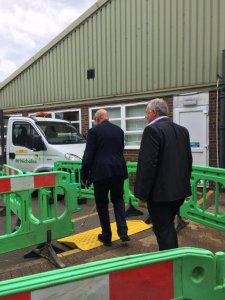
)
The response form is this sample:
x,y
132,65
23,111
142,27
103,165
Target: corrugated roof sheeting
x,y
135,46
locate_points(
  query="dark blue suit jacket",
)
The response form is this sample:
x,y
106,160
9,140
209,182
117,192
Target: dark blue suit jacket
x,y
103,157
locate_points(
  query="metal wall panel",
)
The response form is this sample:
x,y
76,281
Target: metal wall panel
x,y
137,48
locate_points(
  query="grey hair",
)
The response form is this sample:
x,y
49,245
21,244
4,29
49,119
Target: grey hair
x,y
159,105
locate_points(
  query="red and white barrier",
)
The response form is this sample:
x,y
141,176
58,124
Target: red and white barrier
x,y
153,282
26,182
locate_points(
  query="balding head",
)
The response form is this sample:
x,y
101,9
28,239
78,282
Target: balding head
x,y
101,115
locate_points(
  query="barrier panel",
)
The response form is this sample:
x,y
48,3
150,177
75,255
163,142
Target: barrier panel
x,y
129,197
185,273
8,170
48,221
201,179
197,207
74,169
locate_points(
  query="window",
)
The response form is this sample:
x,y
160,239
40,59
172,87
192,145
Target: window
x,y
60,133
130,117
114,114
23,134
71,115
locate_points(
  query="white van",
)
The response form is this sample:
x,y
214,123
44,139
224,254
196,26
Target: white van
x,y
33,144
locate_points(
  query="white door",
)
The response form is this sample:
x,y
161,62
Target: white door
x,y
195,119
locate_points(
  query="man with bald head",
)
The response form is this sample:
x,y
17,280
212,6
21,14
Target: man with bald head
x,y
104,165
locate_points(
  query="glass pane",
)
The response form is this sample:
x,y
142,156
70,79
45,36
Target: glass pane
x,y
67,115
135,111
60,133
116,122
77,126
133,139
135,124
114,112
22,134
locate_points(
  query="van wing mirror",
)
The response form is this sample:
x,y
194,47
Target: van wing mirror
x,y
38,143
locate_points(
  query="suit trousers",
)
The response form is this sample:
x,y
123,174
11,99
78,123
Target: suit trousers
x,y
162,216
114,185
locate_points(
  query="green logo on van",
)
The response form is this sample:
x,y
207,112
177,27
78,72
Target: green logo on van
x,y
25,161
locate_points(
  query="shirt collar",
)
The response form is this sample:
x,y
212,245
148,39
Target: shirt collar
x,y
157,119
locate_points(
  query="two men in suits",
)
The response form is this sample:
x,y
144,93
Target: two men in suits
x,y
163,172
104,165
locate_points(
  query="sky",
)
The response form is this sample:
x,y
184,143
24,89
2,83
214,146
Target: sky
x,y
26,26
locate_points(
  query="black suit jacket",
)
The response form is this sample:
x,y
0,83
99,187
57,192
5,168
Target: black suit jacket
x,y
103,156
164,163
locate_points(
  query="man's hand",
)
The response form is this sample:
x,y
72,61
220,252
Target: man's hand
x,y
86,183
142,204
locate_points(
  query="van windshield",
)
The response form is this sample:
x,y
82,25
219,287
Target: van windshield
x,y
58,133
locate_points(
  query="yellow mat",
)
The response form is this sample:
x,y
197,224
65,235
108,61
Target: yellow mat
x,y
89,239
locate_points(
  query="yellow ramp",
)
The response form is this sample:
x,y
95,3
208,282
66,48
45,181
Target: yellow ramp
x,y
89,239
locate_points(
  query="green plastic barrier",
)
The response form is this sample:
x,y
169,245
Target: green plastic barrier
x,y
74,169
9,170
35,227
5,171
202,179
185,273
129,197
196,209
191,208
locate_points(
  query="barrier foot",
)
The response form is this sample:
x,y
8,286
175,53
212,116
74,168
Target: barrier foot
x,y
31,253
49,253
180,223
133,212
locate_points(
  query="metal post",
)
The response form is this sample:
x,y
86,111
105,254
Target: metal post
x,y
222,127
2,137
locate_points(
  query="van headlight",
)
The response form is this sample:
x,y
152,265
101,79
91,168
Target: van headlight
x,y
70,156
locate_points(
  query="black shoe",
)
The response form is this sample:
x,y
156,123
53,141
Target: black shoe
x,y
148,220
125,238
102,240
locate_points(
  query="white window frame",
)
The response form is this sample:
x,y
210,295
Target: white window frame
x,y
91,120
123,119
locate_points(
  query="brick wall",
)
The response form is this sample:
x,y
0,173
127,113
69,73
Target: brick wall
x,y
132,155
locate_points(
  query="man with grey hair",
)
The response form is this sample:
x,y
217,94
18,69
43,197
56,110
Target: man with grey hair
x,y
163,172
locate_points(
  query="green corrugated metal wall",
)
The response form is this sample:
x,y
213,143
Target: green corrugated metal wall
x,y
137,48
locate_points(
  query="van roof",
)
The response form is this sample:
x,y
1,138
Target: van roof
x,y
37,119
49,119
